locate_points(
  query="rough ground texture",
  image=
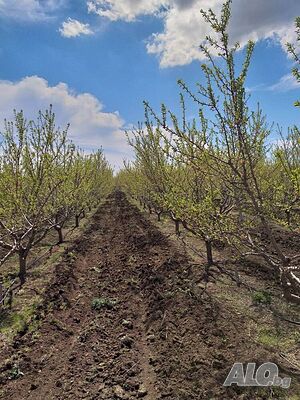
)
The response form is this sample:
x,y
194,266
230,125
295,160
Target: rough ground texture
x,y
125,319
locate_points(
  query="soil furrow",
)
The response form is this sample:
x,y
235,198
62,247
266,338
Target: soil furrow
x,y
122,320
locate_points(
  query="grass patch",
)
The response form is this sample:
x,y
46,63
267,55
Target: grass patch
x,y
274,393
261,297
278,338
101,302
15,373
19,322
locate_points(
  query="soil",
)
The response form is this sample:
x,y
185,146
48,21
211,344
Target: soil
x,y
124,318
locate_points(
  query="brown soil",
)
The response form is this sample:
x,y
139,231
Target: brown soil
x,y
154,335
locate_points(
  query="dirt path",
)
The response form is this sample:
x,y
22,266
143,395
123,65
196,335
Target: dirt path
x,y
150,334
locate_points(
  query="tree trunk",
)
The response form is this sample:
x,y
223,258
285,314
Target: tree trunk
x,y
1,294
208,244
22,265
288,217
209,255
59,230
77,221
10,298
177,227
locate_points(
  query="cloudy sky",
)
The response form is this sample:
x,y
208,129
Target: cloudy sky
x,y
97,60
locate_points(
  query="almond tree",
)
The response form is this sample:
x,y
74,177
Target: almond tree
x,y
30,177
287,179
151,164
287,151
62,195
80,185
91,179
294,51
239,150
195,197
230,181
101,178
175,178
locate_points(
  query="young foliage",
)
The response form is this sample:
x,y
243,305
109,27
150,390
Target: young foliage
x,y
30,177
44,180
219,177
294,52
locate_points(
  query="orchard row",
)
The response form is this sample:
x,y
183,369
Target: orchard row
x,y
221,175
44,182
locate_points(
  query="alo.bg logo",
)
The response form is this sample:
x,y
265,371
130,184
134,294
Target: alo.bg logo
x,y
265,375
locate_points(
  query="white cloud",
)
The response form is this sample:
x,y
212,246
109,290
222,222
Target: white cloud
x,y
74,28
184,28
30,10
286,83
126,10
91,126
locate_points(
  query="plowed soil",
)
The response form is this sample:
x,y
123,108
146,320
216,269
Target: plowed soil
x,y
121,321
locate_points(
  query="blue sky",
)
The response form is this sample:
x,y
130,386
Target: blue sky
x,y
96,60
